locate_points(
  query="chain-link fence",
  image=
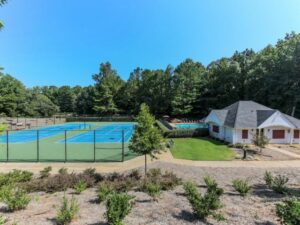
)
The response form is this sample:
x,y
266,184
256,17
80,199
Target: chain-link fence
x,y
19,123
62,145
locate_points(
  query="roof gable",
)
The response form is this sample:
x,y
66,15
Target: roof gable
x,y
277,119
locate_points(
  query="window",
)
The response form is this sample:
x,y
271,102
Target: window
x,y
215,129
278,134
296,134
244,134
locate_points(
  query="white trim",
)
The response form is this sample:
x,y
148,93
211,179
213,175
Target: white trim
x,y
277,120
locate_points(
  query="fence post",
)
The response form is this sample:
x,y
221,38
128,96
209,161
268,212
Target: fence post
x,y
65,146
7,148
122,145
94,145
38,145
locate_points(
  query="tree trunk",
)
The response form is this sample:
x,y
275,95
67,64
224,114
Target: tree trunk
x,y
145,165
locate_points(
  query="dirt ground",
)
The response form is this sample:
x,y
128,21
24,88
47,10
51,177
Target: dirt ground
x,y
266,154
291,148
172,208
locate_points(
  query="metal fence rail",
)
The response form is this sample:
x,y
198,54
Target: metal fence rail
x,y
80,145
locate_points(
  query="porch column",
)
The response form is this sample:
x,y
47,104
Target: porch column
x,y
291,136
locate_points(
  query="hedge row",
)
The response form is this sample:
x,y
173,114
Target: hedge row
x,y
178,133
101,119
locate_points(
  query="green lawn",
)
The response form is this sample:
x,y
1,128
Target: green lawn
x,y
200,149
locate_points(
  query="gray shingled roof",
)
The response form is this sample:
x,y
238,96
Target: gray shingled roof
x,y
248,114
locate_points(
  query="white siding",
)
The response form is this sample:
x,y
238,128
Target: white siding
x,y
268,132
238,136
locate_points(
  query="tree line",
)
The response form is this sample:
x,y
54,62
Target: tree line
x,y
270,76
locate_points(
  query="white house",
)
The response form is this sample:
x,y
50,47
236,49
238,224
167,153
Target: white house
x,y
238,123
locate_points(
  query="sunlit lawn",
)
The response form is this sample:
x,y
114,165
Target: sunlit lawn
x,y
201,149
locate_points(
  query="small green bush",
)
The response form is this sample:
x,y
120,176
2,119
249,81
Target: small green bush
x,y
3,220
167,180
16,176
241,186
279,184
212,185
14,198
103,191
63,171
205,205
289,211
268,177
153,190
80,187
118,206
45,172
67,211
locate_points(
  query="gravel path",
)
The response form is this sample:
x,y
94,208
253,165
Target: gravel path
x,y
172,208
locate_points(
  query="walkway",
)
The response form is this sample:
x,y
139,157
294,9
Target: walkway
x,y
285,152
139,162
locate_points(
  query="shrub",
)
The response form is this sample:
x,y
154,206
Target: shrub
x,y
118,206
241,186
3,220
167,180
91,172
135,174
14,198
58,182
16,176
212,185
205,205
63,171
279,184
268,177
80,186
45,172
103,191
153,190
68,211
289,211
168,132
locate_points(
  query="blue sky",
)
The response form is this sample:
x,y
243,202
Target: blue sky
x,y
62,42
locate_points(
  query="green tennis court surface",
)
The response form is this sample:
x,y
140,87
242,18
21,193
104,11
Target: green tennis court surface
x,y
80,142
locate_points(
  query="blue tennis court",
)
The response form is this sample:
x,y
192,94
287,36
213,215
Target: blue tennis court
x,y
26,136
105,134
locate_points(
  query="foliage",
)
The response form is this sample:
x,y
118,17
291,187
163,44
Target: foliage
x,y
241,186
205,205
277,183
260,140
289,211
181,133
14,198
108,83
153,190
268,177
103,191
63,171
167,180
3,220
80,186
58,182
45,172
67,211
118,206
146,139
16,176
270,77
